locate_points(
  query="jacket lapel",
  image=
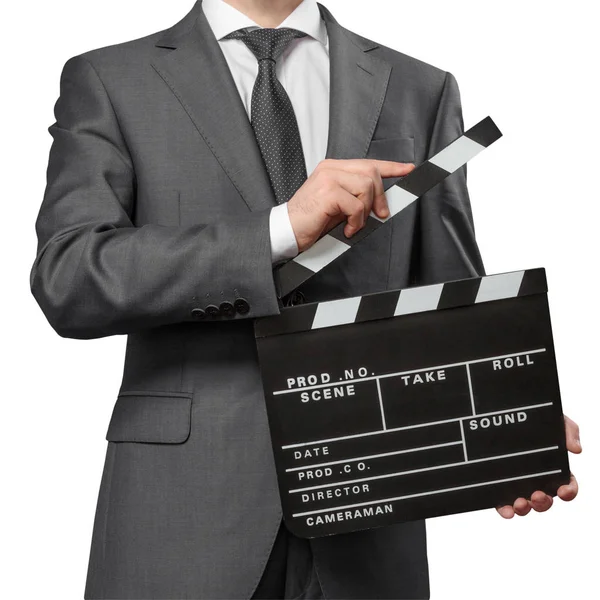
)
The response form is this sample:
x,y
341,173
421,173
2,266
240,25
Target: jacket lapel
x,y
198,74
358,83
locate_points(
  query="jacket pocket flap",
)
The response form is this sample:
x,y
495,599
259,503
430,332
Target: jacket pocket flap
x,y
158,417
397,148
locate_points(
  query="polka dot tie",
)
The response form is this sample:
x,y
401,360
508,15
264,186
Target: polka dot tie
x,y
272,115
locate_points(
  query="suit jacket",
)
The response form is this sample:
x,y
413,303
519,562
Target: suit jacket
x,y
157,203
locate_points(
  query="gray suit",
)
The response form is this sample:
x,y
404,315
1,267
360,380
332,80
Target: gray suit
x,y
157,203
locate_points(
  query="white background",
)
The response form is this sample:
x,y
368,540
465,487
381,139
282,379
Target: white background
x,y
532,66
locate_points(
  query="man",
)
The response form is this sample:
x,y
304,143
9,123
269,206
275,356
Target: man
x,y
185,165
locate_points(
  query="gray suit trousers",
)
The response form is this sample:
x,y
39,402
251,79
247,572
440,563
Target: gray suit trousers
x,y
290,572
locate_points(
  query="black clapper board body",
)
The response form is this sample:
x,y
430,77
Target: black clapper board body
x,y
414,403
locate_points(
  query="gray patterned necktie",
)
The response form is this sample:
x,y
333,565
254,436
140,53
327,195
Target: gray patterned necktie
x,y
272,115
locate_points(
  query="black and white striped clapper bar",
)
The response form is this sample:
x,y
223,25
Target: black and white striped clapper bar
x,y
413,403
400,193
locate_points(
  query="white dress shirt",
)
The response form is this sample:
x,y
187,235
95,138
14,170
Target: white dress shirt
x,y
303,70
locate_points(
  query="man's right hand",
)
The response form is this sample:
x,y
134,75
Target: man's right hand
x,y
339,190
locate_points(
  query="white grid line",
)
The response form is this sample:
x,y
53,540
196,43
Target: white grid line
x,y
471,389
381,405
430,493
423,469
372,456
429,424
400,373
464,441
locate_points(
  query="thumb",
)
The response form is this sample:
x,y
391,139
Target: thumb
x,y
572,436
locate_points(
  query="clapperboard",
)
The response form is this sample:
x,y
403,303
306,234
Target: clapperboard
x,y
412,403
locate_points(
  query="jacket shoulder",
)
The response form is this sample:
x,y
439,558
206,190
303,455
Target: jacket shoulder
x,y
124,53
412,70
139,50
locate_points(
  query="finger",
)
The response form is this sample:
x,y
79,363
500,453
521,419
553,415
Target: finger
x,y
521,507
360,186
506,511
380,205
390,168
353,208
540,501
569,491
386,168
333,222
572,435
368,168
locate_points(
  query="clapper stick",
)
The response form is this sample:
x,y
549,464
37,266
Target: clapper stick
x,y
401,194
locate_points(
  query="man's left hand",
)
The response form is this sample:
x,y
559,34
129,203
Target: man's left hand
x,y
540,501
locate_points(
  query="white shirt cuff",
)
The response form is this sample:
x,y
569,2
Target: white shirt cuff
x,y
283,239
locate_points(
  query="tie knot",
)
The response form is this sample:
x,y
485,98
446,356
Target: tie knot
x,y
266,43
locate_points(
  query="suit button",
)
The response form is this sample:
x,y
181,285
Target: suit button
x,y
198,314
227,309
242,306
212,311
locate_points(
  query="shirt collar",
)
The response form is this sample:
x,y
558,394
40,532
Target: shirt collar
x,y
224,19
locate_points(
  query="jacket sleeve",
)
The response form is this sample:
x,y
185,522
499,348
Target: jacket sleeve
x,y
95,274
448,249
